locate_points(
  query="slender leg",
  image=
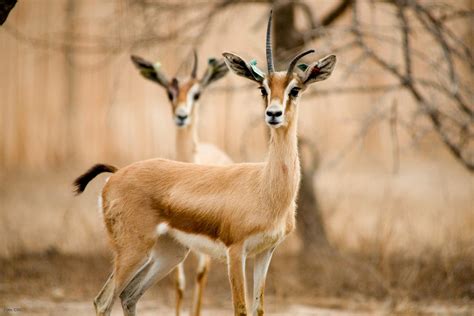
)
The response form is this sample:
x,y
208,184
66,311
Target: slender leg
x,y
129,309
102,301
260,269
236,265
180,286
201,279
167,253
132,248
124,271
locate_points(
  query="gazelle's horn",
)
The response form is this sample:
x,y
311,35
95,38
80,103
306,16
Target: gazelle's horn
x,y
295,60
268,46
195,65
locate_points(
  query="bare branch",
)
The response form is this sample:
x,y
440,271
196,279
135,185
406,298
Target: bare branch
x,y
405,29
430,111
336,13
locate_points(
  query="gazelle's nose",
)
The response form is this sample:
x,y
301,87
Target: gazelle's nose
x,y
273,112
181,116
274,115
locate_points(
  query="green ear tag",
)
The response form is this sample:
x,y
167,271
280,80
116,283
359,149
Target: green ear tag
x,y
255,71
302,67
211,61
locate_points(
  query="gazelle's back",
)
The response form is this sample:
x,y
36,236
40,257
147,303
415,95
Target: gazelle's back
x,y
211,200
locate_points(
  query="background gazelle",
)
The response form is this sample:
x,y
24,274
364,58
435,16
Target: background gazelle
x,y
156,210
184,96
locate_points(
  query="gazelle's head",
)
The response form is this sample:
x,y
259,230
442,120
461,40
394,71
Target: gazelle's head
x,y
183,95
281,90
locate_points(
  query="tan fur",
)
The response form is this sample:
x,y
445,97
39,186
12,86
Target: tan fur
x,y
183,91
278,83
197,204
236,267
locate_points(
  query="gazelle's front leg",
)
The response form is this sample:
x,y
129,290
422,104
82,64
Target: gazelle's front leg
x,y
201,279
180,285
236,265
260,269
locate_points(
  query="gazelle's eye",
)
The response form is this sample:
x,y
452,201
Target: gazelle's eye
x,y
196,96
294,92
263,91
170,95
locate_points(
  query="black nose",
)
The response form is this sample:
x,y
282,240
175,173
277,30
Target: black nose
x,y
182,117
274,113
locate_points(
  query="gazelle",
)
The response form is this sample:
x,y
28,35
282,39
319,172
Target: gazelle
x,y
184,97
156,210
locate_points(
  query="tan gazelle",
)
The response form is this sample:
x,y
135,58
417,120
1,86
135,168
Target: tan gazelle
x,y
156,210
184,96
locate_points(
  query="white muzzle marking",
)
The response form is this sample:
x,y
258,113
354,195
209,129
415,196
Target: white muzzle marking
x,y
274,115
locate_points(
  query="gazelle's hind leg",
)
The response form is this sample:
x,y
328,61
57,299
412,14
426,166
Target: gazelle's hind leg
x,y
201,279
167,253
180,286
102,301
124,271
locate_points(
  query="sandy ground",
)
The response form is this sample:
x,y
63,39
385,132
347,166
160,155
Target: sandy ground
x,y
150,307
66,285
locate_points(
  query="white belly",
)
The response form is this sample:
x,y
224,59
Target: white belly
x,y
257,243
216,249
201,243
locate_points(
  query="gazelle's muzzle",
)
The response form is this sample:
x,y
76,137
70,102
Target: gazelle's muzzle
x,y
274,115
181,116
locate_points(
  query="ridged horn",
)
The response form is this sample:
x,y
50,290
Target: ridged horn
x,y
268,46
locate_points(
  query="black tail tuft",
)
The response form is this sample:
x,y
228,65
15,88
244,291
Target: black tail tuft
x,y
81,182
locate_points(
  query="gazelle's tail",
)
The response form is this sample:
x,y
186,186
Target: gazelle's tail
x,y
81,182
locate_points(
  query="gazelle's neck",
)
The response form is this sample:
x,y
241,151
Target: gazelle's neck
x,y
282,170
187,140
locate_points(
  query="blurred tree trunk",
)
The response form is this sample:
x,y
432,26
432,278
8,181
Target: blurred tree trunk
x,y
287,42
5,7
309,219
70,81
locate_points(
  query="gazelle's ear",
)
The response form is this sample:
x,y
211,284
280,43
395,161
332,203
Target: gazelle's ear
x,y
216,69
243,69
150,71
317,71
